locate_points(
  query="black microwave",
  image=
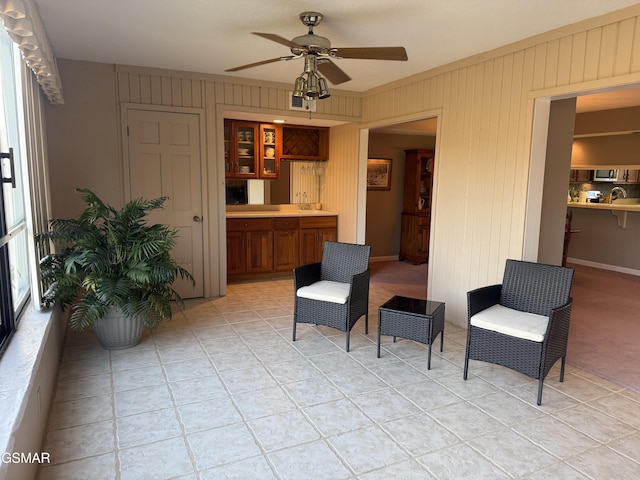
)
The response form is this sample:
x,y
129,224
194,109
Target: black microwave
x,y
605,175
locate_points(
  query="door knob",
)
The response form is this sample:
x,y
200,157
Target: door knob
x,y
196,218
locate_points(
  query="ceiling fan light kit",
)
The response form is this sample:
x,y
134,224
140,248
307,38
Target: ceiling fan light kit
x,y
317,54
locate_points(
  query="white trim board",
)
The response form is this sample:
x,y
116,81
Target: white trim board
x,y
391,258
604,266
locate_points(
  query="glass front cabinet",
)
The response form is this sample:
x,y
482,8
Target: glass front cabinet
x,y
251,150
241,144
270,151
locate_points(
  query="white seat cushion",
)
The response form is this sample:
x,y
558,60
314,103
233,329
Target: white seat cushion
x,y
326,291
512,322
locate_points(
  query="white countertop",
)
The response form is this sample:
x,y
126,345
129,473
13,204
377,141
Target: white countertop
x,y
606,206
280,213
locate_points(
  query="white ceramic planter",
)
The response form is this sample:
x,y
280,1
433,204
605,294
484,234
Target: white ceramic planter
x,y
115,331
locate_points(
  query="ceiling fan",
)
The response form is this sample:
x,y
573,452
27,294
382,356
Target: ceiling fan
x,y
317,53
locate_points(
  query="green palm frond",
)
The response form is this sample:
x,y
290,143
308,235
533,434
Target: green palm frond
x,y
112,258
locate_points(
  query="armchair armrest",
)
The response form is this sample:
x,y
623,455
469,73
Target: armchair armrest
x,y
306,275
559,319
482,298
360,283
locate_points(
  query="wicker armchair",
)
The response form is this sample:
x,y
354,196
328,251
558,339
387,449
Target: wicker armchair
x,y
522,324
334,292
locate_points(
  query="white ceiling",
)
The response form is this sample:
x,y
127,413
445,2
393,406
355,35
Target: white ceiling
x,y
210,36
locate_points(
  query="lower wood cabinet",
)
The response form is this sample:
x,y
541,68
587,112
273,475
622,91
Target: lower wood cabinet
x,y
414,238
249,245
286,244
314,231
276,245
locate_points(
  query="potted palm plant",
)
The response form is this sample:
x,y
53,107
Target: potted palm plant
x,y
113,270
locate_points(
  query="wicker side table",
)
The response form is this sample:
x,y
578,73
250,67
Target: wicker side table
x,y
411,318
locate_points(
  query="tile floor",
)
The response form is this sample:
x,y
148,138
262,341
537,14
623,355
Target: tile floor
x,y
223,392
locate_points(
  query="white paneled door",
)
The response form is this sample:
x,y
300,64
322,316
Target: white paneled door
x,y
164,160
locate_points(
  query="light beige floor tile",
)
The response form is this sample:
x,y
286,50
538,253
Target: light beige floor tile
x,y
81,411
238,381
397,373
405,470
428,395
181,351
207,414
603,462
283,430
165,459
554,436
142,400
336,417
461,462
311,461
80,387
355,381
367,449
419,434
101,467
594,423
222,445
465,420
559,470
384,405
506,408
189,369
287,372
195,390
230,361
312,391
255,468
506,449
78,442
147,427
628,446
468,389
261,403
138,378
134,358
619,406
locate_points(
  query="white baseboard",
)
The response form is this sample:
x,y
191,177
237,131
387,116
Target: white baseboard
x,y
390,258
604,266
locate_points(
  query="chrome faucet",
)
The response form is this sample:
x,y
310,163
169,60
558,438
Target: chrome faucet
x,y
616,192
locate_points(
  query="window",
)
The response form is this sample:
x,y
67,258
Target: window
x,y
14,259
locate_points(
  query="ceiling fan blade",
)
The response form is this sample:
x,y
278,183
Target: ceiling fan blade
x,y
372,53
333,73
256,64
277,38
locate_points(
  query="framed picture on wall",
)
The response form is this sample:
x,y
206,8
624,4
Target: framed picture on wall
x,y
379,174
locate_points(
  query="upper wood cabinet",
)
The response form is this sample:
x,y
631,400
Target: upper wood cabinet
x,y
580,176
628,176
305,143
241,149
270,144
418,181
254,150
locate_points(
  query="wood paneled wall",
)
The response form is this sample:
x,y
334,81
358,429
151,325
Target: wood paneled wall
x,y
184,89
485,138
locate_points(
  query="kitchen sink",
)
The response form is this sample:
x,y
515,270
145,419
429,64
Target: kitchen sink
x,y
627,201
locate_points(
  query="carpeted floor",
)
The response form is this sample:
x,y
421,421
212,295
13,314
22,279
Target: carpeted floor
x,y
605,323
